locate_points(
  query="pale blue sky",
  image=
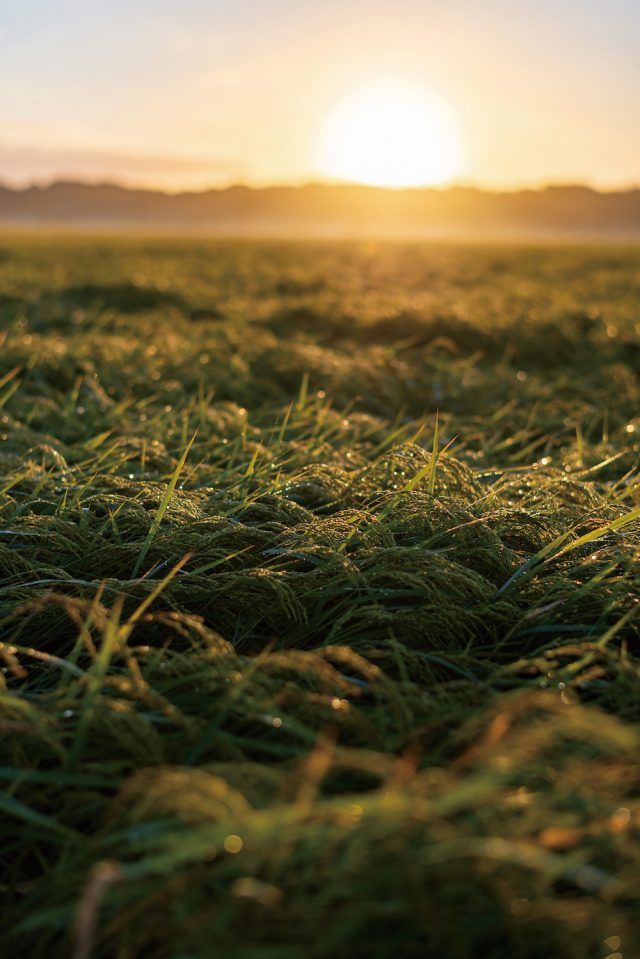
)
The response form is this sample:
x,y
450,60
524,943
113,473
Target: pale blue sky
x,y
197,93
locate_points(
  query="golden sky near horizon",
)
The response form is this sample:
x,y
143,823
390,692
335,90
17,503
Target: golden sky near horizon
x,y
196,94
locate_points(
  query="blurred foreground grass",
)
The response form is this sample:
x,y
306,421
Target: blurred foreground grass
x,y
319,600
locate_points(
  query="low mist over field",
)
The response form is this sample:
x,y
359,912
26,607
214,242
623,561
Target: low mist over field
x,y
333,210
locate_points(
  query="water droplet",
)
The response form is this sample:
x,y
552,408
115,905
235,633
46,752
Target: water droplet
x,y
233,844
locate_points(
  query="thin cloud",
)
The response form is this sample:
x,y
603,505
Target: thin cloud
x,y
22,164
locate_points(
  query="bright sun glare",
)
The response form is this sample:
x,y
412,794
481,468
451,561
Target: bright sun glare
x,y
390,136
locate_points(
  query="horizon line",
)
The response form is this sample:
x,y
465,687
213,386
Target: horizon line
x,y
116,183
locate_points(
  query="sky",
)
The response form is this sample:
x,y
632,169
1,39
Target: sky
x,y
202,93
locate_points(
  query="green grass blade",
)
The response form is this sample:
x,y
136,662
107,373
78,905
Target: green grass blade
x,y
162,508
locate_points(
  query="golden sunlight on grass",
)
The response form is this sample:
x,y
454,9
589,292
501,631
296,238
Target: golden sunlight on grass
x,y
390,135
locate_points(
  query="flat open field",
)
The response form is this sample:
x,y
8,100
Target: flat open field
x,y
319,600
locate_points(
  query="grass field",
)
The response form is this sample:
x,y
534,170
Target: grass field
x,y
319,598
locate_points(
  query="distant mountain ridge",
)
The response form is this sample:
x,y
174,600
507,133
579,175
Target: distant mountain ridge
x,y
329,209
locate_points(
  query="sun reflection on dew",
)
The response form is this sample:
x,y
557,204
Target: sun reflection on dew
x,y
620,819
233,844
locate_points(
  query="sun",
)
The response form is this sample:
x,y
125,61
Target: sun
x,y
390,135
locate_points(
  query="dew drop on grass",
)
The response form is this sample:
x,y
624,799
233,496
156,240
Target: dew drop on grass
x,y
233,844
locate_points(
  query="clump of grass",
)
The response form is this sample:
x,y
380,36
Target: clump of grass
x,y
319,600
